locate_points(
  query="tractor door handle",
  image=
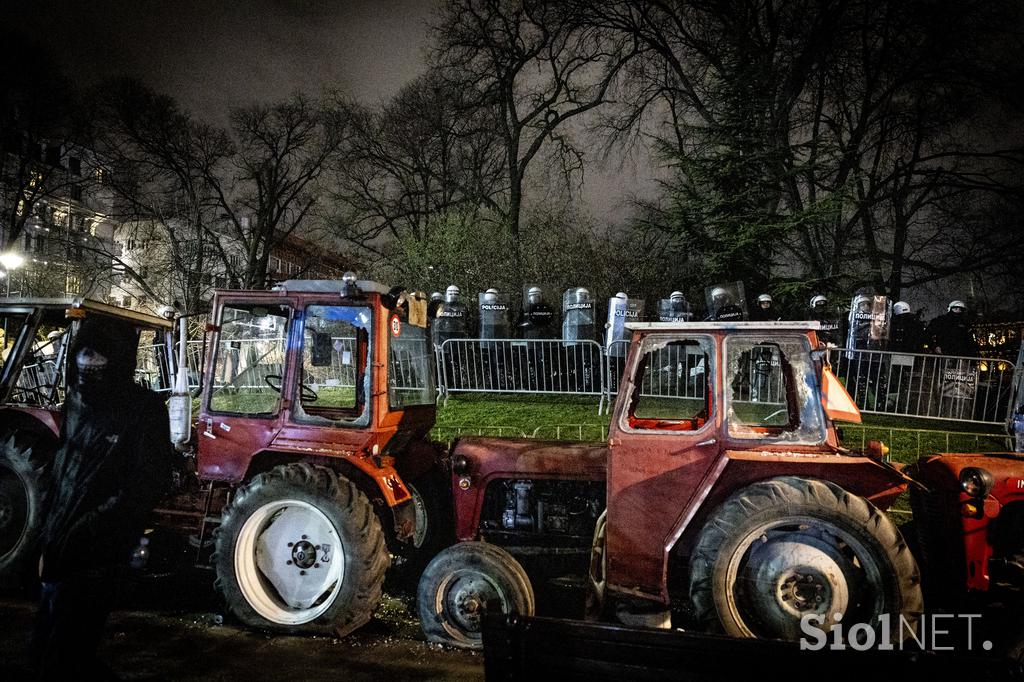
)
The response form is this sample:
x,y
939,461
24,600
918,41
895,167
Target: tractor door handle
x,y
704,443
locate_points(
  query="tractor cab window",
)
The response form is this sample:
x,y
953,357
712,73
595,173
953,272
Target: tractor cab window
x,y
39,380
335,376
250,359
410,363
672,389
771,390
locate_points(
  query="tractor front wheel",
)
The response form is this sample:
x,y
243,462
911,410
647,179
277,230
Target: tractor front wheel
x,y
461,583
789,548
299,549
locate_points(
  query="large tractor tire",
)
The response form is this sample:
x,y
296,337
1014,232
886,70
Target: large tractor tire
x,y
790,547
461,583
25,460
299,549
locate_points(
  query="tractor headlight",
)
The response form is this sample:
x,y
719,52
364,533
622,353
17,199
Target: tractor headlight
x,y
976,482
460,464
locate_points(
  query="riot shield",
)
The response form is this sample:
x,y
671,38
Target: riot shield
x,y
494,315
578,323
868,322
451,322
727,302
494,324
674,310
620,311
580,359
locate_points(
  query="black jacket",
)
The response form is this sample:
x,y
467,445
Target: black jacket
x,y
114,461
950,334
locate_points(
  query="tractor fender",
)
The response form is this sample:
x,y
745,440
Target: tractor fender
x,y
35,418
734,470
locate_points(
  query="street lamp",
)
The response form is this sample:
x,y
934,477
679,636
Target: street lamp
x,y
10,262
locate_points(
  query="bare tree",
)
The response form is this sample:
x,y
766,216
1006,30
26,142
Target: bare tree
x,y
424,155
537,67
817,140
269,186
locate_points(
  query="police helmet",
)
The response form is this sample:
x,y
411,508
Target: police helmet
x,y
764,298
451,293
436,296
719,293
582,294
818,301
953,305
676,296
622,295
900,308
491,295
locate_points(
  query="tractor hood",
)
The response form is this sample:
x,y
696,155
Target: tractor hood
x,y
488,458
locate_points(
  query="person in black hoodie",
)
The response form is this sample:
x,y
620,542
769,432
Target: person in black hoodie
x,y
114,461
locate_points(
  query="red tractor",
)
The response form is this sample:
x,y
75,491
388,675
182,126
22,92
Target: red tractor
x,y
970,515
309,459
722,497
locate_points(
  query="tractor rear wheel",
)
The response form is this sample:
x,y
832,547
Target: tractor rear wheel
x,y
461,583
789,547
299,549
25,460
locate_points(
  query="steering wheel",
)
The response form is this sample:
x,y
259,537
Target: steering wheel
x,y
306,394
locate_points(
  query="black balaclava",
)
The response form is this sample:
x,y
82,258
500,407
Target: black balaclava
x,y
118,342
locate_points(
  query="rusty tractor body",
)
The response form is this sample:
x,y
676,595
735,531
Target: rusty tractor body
x,y
969,515
722,470
308,463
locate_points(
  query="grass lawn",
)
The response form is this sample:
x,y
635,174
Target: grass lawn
x,y
576,418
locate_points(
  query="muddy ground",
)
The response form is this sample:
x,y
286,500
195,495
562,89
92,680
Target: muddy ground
x,y
173,626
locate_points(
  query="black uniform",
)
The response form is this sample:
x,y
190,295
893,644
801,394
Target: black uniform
x,y
537,322
906,334
114,462
949,334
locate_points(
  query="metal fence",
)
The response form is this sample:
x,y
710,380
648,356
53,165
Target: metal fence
x,y
539,366
880,382
926,386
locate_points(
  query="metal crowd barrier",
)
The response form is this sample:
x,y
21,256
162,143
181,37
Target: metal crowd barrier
x,y
950,388
967,389
539,366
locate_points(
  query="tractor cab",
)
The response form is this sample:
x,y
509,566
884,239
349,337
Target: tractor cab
x,y
327,368
35,334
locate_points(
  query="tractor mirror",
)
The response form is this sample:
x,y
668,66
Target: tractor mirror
x,y
322,349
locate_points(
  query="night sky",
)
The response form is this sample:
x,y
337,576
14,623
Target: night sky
x,y
216,54
212,55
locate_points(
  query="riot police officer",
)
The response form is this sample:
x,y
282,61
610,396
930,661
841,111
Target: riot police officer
x,y
537,323
675,308
764,312
724,307
579,327
906,332
829,333
494,324
452,322
949,333
436,299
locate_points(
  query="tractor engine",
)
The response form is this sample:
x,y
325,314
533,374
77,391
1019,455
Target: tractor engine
x,y
516,508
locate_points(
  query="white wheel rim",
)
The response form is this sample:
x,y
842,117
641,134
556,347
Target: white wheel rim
x,y
289,562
